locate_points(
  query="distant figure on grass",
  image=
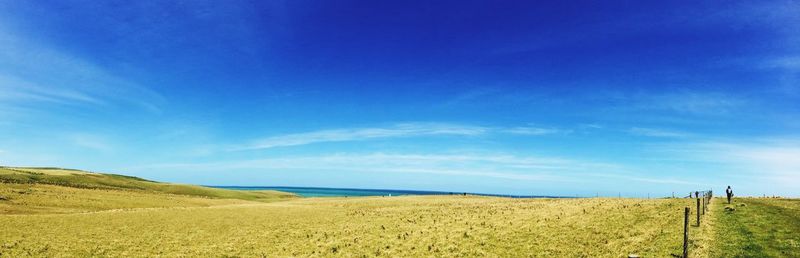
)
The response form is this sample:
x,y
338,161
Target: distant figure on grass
x,y
729,192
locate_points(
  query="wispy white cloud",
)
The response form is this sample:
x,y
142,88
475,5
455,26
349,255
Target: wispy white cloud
x,y
775,160
532,131
469,96
591,126
493,96
653,132
658,180
791,63
490,165
694,102
88,141
788,68
17,89
393,131
779,162
11,114
358,134
33,74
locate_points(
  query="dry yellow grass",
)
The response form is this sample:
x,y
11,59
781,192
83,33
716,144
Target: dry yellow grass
x,y
55,212
370,226
47,199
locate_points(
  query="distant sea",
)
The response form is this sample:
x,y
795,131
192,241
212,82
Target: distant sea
x,y
341,192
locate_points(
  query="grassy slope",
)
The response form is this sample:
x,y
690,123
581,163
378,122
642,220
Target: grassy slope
x,y
87,180
757,228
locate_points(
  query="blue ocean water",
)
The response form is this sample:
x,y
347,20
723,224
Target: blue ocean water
x,y
341,192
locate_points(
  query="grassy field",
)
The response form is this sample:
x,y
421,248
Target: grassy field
x,y
372,226
58,220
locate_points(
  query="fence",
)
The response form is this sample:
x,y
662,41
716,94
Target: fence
x,y
703,199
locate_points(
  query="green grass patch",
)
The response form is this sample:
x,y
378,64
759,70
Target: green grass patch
x,y
755,227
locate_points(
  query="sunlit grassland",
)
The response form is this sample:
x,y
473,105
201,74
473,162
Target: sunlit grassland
x,y
371,226
757,227
58,212
45,199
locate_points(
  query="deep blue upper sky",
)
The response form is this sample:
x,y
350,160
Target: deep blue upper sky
x,y
516,97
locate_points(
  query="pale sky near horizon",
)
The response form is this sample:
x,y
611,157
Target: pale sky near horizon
x,y
512,97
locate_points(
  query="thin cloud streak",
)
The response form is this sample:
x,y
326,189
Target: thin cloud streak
x,y
690,102
776,160
653,132
87,141
16,89
359,134
532,131
394,131
671,181
785,63
490,165
54,77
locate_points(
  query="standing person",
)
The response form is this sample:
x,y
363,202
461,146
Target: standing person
x,y
729,192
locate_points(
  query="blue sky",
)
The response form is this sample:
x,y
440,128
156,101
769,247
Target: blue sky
x,y
514,97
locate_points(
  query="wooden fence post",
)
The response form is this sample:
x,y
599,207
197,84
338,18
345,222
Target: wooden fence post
x,y
686,232
698,212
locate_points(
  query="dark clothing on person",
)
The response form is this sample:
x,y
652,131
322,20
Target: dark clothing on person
x,y
729,192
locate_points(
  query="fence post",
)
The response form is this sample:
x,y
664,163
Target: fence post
x,y
703,207
698,212
686,232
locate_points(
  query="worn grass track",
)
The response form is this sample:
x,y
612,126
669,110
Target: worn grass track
x,y
757,227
